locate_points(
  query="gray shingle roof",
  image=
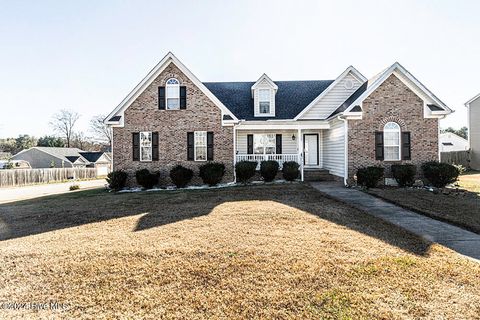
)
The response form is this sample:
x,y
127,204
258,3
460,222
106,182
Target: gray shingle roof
x,y
62,153
291,98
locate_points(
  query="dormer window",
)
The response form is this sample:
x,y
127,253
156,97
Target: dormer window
x,y
264,101
263,93
173,94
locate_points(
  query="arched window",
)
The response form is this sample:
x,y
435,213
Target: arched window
x,y
391,141
173,94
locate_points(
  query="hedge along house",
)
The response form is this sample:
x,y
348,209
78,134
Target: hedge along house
x,y
330,127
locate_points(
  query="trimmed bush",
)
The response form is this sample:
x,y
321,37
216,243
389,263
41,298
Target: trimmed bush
x,y
117,180
290,170
74,187
404,174
269,170
245,170
212,173
181,176
440,174
146,178
370,176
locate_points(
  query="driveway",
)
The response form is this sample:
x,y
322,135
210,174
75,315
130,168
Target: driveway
x,y
40,190
455,238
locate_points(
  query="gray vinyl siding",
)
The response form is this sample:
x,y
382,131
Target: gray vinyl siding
x,y
40,159
474,127
289,146
333,99
333,142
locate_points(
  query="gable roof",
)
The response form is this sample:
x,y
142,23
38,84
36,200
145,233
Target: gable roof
x,y
347,71
291,98
112,118
375,82
467,104
92,156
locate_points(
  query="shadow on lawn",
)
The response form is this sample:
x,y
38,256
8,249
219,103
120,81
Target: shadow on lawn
x,y
29,217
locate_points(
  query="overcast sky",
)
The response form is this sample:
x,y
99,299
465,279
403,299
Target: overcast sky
x,y
87,55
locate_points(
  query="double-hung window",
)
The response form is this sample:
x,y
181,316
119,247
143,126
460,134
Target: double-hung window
x,y
173,94
200,150
264,143
391,141
264,101
146,146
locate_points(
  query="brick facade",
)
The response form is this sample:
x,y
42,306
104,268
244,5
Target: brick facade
x,y
143,114
391,101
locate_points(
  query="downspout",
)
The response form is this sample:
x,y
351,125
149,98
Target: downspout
x,y
345,175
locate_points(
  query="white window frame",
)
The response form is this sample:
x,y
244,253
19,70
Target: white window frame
x,y
260,100
203,144
397,131
172,84
146,144
265,145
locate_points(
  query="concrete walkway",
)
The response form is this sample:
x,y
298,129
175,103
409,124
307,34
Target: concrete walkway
x,y
40,190
455,238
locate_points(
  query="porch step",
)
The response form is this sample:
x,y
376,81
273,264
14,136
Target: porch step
x,y
310,174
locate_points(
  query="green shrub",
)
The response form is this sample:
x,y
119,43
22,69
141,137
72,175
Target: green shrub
x,y
268,170
440,174
146,178
404,174
181,176
117,180
290,170
245,170
370,176
74,187
212,173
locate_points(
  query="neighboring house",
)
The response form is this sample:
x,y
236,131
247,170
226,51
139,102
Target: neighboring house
x,y
99,160
339,125
473,106
53,157
451,142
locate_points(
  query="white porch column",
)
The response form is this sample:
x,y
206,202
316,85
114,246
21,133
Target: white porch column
x,y
234,152
300,152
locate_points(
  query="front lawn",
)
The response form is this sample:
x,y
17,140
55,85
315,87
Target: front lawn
x,y
461,207
277,251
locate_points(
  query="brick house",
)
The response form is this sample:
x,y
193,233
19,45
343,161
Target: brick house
x,y
328,126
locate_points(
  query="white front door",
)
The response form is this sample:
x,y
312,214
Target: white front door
x,y
310,149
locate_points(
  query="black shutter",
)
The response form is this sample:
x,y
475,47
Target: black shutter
x,y
155,146
250,143
209,146
136,146
406,149
161,98
183,97
190,146
379,145
278,140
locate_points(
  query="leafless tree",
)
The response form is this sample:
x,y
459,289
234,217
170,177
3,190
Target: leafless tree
x,y
101,132
63,123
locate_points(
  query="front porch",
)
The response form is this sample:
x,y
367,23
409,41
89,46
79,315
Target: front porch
x,y
304,146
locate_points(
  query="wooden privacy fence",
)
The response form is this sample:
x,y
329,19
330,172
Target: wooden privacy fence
x,y
456,157
23,177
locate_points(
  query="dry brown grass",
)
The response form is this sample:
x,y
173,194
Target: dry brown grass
x,y
461,208
280,252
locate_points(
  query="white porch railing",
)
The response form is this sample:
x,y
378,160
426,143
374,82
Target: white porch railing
x,y
280,158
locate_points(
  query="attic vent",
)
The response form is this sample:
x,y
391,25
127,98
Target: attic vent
x,y
348,84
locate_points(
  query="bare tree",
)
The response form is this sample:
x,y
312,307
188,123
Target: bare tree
x,y
63,123
101,132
